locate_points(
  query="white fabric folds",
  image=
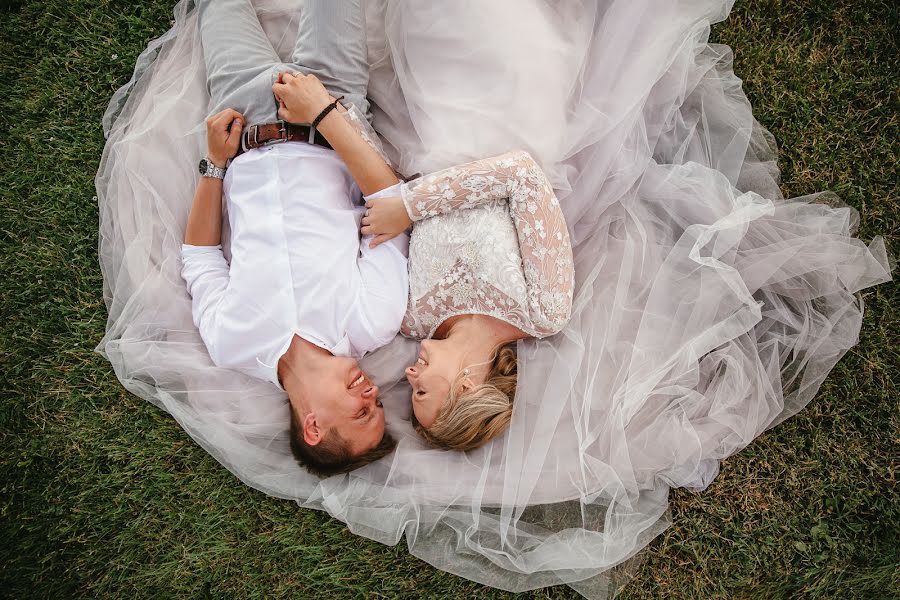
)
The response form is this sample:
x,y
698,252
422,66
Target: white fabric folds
x,y
707,307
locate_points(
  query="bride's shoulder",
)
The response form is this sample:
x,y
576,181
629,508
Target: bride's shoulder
x,y
500,328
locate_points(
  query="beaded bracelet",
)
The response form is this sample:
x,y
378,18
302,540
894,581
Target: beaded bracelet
x,y
325,112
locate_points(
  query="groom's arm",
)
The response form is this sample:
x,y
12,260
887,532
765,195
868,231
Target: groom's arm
x,y
302,98
204,226
204,268
223,136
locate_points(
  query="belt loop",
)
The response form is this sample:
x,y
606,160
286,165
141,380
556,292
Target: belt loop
x,y
245,135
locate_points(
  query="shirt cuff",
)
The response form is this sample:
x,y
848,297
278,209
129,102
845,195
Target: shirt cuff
x,y
393,190
191,250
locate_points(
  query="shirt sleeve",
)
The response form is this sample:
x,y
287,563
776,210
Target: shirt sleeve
x,y
543,237
206,273
385,282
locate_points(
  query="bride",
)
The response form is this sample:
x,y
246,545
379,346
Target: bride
x,y
479,281
706,307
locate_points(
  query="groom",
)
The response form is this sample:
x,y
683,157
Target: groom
x,y
302,297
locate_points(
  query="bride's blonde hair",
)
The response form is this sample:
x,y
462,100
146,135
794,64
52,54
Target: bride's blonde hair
x,y
469,419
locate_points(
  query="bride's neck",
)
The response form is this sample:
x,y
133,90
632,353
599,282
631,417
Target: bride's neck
x,y
477,332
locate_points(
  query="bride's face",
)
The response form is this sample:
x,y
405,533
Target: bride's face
x,y
439,363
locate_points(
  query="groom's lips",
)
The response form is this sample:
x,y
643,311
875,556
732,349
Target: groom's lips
x,y
356,375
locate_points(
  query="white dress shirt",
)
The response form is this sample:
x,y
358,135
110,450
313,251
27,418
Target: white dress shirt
x,y
298,265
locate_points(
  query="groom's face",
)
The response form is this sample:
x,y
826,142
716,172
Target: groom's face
x,y
346,401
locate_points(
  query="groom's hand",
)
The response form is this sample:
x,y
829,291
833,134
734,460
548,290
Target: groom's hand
x,y
385,218
300,97
223,136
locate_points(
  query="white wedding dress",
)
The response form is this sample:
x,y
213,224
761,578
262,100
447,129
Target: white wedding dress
x,y
706,307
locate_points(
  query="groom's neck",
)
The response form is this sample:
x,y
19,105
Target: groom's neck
x,y
299,359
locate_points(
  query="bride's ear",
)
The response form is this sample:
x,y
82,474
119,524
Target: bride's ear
x,y
312,433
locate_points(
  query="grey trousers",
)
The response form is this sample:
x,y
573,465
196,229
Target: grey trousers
x,y
241,64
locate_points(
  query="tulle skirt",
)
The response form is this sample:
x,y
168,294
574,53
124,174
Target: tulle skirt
x,y
707,307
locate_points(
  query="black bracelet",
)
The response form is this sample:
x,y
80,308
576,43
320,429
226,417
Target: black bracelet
x,y
325,112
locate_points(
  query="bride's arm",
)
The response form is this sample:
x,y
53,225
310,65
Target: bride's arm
x,y
367,167
302,98
543,237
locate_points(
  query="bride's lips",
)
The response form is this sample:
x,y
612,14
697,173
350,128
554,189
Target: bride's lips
x,y
414,369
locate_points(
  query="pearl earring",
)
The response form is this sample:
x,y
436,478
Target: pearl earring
x,y
465,372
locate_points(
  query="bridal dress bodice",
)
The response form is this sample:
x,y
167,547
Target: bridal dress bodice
x,y
489,238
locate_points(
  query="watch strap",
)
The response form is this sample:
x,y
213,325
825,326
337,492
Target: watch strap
x,y
212,170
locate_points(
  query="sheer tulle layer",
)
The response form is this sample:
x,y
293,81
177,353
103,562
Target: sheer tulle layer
x,y
707,308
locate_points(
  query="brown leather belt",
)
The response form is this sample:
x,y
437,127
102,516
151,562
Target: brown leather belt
x,y
266,134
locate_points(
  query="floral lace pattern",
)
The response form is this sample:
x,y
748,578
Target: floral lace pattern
x,y
362,126
500,247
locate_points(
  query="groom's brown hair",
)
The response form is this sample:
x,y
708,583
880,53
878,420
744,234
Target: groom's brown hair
x,y
331,455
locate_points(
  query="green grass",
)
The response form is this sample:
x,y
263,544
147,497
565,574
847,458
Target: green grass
x,y
103,495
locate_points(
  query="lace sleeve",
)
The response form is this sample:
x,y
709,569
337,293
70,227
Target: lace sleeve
x,y
544,242
365,131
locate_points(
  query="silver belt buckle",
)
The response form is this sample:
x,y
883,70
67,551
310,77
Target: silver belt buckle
x,y
282,130
254,129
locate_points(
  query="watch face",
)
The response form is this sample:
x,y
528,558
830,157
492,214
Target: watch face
x,y
204,166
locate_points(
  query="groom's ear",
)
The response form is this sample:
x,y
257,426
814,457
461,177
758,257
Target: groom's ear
x,y
312,433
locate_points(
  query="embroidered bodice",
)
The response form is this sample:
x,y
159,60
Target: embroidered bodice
x,y
488,238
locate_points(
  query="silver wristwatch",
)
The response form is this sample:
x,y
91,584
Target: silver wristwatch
x,y
208,169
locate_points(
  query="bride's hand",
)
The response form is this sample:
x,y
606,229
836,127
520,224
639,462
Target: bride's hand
x,y
300,97
386,218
